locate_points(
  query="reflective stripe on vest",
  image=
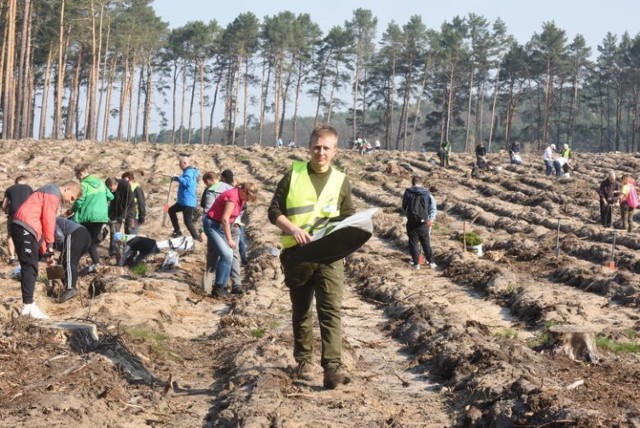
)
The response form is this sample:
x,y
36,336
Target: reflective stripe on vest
x,y
304,207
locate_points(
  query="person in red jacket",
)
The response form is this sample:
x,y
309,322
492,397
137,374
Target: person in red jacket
x,y
33,233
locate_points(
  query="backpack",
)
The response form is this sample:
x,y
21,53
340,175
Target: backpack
x,y
418,211
632,199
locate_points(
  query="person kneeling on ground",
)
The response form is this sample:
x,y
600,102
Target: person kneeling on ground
x,y
72,240
137,248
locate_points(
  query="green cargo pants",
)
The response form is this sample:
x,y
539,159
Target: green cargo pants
x,y
325,281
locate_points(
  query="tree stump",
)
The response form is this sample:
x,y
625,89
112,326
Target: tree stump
x,y
577,342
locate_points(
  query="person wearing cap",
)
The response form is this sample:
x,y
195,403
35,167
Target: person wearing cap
x,y
547,157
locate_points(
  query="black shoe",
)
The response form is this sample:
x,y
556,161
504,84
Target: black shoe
x,y
69,294
13,260
219,291
237,290
334,376
176,234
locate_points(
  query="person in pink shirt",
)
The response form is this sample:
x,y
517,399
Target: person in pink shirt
x,y
217,226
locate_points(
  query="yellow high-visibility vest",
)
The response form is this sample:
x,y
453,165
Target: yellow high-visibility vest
x,y
304,207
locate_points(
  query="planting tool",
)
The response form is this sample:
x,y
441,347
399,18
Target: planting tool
x,y
612,263
558,240
165,209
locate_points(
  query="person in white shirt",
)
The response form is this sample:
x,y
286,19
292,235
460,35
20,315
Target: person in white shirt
x,y
547,157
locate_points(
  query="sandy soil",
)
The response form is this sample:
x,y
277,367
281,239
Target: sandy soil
x,y
467,344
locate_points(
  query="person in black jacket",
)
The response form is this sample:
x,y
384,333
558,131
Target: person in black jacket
x,y
14,196
608,192
122,210
138,199
481,152
419,222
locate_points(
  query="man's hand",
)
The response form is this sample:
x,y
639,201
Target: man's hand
x,y
429,223
301,236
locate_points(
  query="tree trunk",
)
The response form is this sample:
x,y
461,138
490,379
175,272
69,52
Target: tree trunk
x,y
213,106
245,119
8,109
148,98
102,79
60,72
192,100
107,102
201,80
74,97
183,100
141,86
23,106
45,96
263,99
467,143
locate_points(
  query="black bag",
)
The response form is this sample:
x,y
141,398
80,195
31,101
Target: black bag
x,y
418,211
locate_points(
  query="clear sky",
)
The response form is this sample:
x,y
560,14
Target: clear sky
x,y
593,19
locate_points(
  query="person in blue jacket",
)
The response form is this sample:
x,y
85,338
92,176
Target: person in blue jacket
x,y
187,199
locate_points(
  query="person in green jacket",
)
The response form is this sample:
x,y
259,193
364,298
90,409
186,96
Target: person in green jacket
x,y
92,209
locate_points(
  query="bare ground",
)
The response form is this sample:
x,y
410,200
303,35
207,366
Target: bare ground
x,y
464,345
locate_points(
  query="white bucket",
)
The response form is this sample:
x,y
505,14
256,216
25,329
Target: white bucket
x,y
475,249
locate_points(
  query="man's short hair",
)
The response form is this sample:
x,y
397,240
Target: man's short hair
x,y
322,131
110,182
227,176
416,181
128,175
81,168
20,179
208,176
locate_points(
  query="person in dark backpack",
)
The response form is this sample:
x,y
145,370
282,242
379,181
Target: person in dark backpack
x,y
421,210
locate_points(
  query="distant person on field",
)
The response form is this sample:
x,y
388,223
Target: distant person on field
x,y
309,193
443,154
562,166
187,199
547,158
139,202
33,233
514,153
14,196
609,192
92,209
481,156
421,210
626,205
566,151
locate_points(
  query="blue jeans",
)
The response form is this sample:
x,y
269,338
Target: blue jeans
x,y
242,246
548,164
219,254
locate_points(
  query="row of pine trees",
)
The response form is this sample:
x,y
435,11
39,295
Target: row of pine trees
x,y
108,69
